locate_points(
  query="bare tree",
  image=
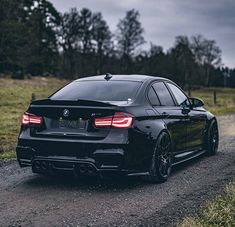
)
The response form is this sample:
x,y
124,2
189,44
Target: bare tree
x,y
85,30
69,40
102,38
184,59
129,36
207,54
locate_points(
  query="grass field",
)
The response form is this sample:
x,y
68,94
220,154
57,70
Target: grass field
x,y
15,96
219,212
225,99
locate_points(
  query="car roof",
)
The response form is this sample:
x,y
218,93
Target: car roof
x,y
131,77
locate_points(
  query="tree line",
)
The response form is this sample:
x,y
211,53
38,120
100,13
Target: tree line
x,y
36,39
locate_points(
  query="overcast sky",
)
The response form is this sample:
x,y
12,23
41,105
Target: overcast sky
x,y
165,19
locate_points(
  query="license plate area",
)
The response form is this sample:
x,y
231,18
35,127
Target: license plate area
x,y
78,124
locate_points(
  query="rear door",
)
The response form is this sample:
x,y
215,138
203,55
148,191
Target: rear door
x,y
172,116
196,118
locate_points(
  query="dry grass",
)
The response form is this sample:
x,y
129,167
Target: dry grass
x,y
225,99
220,212
15,96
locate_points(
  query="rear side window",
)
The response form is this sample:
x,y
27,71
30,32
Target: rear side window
x,y
179,95
153,97
163,94
98,91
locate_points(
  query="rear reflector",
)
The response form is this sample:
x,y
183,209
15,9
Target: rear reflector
x,y
119,120
29,119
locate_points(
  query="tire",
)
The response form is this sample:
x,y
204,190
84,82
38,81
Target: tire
x,y
212,139
161,163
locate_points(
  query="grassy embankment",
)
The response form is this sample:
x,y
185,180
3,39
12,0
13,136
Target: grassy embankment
x,y
219,212
15,96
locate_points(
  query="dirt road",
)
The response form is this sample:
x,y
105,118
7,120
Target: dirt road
x,y
28,199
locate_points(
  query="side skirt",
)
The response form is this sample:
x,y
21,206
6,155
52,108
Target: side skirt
x,y
173,164
190,157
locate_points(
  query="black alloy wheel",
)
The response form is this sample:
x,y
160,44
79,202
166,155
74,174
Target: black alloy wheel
x,y
162,159
212,139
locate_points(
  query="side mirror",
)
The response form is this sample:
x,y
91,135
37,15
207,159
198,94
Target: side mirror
x,y
196,102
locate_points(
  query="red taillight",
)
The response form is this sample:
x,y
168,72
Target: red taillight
x,y
31,119
25,119
122,120
103,122
119,120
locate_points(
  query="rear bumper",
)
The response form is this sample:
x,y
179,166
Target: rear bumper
x,y
120,152
100,160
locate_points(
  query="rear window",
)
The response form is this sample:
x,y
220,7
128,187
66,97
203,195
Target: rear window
x,y
98,91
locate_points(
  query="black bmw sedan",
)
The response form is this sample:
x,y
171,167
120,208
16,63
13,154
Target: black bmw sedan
x,y
130,124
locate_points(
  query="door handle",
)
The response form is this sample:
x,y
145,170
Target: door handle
x,y
165,114
185,111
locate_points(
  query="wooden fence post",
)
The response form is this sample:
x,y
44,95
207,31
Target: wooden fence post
x,y
33,97
215,97
189,92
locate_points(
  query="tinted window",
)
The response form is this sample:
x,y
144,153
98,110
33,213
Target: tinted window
x,y
163,94
179,95
98,91
153,97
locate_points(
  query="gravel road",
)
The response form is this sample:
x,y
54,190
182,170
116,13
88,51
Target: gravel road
x,y
27,199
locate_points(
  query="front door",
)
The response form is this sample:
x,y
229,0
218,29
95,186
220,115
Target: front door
x,y
196,129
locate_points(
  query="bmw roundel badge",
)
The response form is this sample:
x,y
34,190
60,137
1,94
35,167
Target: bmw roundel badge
x,y
66,113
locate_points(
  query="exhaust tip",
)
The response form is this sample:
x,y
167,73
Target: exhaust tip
x,y
44,165
37,165
90,169
82,168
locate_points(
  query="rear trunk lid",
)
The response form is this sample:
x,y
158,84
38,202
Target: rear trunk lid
x,y
70,119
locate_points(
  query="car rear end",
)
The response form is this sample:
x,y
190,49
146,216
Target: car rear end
x,y
72,131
